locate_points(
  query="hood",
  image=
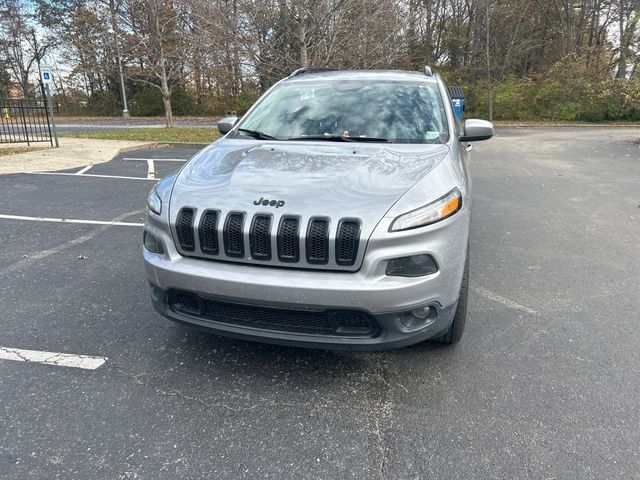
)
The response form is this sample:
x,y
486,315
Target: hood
x,y
308,179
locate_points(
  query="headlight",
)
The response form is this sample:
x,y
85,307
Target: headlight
x,y
153,202
434,212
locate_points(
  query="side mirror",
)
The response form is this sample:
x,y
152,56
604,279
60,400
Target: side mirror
x,y
476,130
226,124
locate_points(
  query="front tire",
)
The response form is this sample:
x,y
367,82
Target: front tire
x,y
454,334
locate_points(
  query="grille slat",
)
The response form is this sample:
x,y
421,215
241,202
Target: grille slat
x,y
233,235
317,244
184,229
332,322
208,233
347,242
260,237
288,239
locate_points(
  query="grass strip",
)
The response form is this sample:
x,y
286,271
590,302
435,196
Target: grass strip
x,y
172,135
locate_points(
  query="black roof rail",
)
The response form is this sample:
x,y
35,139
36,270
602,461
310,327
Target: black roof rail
x,y
303,70
299,71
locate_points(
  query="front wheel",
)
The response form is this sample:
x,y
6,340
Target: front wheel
x,y
454,334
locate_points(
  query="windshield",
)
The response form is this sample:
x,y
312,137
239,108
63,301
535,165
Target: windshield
x,y
353,110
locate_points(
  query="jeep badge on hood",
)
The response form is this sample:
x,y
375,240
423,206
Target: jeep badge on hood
x,y
273,203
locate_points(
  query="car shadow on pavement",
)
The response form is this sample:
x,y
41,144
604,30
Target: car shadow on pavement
x,y
255,358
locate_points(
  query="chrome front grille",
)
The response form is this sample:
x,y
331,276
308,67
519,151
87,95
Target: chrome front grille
x,y
288,240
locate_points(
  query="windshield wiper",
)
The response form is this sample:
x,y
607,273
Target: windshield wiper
x,y
335,138
257,134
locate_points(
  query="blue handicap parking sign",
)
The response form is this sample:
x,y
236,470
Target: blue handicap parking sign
x,y
45,75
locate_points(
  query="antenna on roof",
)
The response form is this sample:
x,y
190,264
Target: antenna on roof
x,y
427,71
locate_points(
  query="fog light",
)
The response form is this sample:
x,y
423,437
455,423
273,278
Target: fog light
x,y
418,317
152,244
413,266
421,313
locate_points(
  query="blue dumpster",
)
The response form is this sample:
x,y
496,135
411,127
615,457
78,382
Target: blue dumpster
x,y
457,100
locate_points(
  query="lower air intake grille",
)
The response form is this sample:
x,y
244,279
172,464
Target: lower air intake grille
x,y
288,244
331,322
184,229
209,232
185,302
318,241
233,235
347,242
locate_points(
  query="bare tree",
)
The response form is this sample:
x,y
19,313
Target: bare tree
x,y
163,43
225,52
507,36
627,19
20,46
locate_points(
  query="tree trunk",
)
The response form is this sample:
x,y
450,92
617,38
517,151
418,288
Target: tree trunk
x,y
166,99
490,103
622,54
488,59
304,60
166,96
24,85
164,80
168,114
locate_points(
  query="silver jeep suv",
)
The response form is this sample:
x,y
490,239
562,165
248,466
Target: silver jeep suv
x,y
334,214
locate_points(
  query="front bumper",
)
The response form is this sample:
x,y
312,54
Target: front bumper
x,y
369,290
389,332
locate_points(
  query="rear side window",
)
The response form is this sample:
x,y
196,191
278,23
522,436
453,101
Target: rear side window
x,y
399,112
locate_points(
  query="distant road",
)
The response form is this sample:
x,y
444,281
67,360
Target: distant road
x,y
79,124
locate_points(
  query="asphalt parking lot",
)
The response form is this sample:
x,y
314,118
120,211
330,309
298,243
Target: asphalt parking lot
x,y
545,383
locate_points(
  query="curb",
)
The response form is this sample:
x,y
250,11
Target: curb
x,y
132,148
183,144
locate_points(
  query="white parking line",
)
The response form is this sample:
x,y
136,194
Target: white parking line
x,y
70,220
32,258
80,172
90,175
488,294
136,159
52,358
150,170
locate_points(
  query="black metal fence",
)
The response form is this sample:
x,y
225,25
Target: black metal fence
x,y
24,120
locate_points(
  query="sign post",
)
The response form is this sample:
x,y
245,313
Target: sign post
x,y
47,77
